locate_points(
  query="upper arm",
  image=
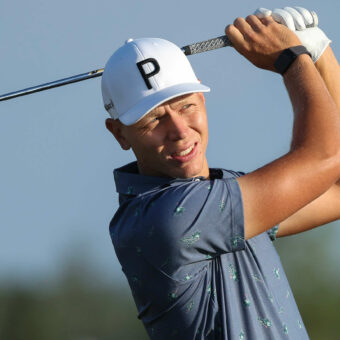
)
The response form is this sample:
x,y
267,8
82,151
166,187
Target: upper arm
x,y
278,190
323,210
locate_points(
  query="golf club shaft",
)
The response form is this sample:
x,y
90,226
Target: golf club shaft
x,y
199,47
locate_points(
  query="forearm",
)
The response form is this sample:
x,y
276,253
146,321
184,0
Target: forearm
x,y
316,117
329,69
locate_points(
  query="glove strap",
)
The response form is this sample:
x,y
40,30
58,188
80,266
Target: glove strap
x,y
288,56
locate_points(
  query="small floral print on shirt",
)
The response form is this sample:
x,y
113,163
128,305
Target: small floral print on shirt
x,y
285,329
189,241
179,211
233,272
246,302
277,273
264,322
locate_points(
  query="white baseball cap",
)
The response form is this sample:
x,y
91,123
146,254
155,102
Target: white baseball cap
x,y
143,74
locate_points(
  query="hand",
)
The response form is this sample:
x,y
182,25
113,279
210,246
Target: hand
x,y
261,41
304,24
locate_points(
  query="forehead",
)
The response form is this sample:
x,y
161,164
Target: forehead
x,y
174,102
180,99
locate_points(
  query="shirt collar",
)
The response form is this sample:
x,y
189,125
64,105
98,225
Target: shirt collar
x,y
129,181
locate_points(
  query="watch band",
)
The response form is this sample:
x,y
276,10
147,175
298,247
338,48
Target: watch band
x,y
287,57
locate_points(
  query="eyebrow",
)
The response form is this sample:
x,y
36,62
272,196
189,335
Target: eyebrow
x,y
149,116
153,113
180,101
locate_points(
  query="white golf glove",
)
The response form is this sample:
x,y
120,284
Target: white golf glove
x,y
304,23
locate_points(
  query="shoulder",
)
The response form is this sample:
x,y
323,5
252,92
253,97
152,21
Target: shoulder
x,y
182,215
185,199
180,197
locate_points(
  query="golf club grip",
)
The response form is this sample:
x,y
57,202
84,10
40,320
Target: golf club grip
x,y
199,47
207,45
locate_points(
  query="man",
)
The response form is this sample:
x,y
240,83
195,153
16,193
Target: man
x,y
195,242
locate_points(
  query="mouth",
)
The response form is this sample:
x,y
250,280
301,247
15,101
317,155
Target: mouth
x,y
185,155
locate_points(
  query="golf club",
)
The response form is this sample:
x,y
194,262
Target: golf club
x,y
199,47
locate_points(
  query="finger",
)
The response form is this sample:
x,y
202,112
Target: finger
x,y
310,17
283,17
234,35
297,17
315,18
262,13
242,25
255,23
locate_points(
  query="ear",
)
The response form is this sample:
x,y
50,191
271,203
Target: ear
x,y
201,94
117,129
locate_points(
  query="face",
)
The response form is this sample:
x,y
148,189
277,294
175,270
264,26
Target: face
x,y
169,141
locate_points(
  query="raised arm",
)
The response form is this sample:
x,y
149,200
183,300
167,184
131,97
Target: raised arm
x,y
278,190
325,208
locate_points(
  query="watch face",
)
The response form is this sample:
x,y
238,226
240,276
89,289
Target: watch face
x,y
297,50
287,57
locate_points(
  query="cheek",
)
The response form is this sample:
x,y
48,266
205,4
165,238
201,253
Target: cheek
x,y
199,124
148,145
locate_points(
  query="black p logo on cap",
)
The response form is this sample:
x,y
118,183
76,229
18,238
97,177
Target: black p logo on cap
x,y
146,76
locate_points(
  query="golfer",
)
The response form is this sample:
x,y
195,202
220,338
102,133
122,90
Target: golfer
x,y
194,242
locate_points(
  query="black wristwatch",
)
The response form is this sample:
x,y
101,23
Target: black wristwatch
x,y
287,57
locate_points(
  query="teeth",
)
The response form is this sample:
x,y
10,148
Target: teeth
x,y
185,152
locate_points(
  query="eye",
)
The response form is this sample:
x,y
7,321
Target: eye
x,y
187,107
151,123
154,121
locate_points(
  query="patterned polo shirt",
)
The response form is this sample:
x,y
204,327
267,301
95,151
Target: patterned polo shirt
x,y
181,245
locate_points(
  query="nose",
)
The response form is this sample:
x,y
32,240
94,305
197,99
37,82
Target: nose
x,y
177,127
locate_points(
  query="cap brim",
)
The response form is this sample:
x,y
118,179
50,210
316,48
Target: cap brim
x,y
136,113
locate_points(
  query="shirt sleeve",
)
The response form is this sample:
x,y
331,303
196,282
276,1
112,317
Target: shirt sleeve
x,y
272,232
191,223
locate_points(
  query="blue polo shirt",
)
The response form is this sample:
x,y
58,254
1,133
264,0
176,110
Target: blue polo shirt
x,y
181,245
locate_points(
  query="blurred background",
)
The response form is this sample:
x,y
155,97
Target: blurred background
x,y
59,276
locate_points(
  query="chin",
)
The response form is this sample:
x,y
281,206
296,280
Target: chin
x,y
175,170
187,172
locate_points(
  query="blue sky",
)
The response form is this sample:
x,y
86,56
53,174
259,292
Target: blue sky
x,y
57,194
